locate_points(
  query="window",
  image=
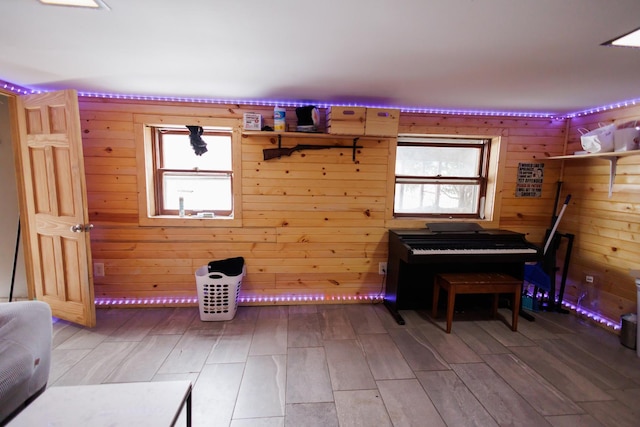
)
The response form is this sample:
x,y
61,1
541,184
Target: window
x,y
168,168
203,183
441,177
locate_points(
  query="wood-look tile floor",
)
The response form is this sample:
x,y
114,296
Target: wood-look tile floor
x,y
352,365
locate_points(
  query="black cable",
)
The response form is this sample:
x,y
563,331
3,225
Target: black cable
x,y
15,261
384,278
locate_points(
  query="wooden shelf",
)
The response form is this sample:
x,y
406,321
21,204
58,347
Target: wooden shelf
x,y
298,135
612,157
308,135
611,154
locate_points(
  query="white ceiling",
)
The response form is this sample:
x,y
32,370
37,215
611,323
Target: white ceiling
x,y
496,55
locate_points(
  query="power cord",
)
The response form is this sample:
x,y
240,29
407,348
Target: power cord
x,y
379,297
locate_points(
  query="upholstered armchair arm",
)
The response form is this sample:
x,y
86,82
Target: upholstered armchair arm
x,y
25,352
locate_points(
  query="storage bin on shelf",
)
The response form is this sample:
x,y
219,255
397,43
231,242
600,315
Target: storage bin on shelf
x,y
346,120
626,136
382,122
218,284
599,140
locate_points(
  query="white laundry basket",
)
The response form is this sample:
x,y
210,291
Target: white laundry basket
x,y
218,286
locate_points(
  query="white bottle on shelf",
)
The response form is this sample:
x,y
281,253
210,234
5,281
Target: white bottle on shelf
x,y
279,114
181,206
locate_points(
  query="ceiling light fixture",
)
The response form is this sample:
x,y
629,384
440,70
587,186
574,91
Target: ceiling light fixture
x,y
92,4
631,39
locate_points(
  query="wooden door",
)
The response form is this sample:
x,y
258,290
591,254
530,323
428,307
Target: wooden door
x,y
53,204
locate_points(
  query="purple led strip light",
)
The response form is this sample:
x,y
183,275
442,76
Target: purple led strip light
x,y
284,103
594,316
287,103
16,89
246,299
193,300
609,107
313,298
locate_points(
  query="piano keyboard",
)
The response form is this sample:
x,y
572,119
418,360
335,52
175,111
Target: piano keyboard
x,y
476,251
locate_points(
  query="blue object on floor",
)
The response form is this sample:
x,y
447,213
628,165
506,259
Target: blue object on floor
x,y
535,275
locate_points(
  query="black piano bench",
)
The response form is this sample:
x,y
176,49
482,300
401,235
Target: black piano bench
x,y
477,283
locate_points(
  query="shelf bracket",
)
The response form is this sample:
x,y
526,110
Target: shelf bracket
x,y
612,158
355,142
279,141
613,163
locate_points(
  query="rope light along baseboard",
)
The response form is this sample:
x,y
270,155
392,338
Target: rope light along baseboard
x,y
373,298
603,320
242,299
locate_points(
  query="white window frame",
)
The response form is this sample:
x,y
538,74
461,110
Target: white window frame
x,y
491,207
147,207
476,178
162,169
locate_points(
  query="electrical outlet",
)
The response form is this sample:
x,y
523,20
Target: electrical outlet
x,y
588,278
382,268
98,269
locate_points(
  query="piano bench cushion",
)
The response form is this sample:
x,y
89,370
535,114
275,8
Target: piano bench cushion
x,y
476,283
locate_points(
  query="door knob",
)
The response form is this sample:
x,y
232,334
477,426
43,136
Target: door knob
x,y
79,228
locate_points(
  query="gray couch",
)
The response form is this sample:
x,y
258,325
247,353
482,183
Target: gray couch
x,y
25,354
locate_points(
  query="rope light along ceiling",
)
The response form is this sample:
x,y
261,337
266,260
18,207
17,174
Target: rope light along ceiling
x,y
270,103
294,103
631,39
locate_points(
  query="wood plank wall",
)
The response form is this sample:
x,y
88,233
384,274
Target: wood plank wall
x,y
607,230
528,140
313,224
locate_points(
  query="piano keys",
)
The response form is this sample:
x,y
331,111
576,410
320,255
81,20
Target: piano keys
x,y
476,251
417,255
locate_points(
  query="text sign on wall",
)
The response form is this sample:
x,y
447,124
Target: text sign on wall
x,y
529,182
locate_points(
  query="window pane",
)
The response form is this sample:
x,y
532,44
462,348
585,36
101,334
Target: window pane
x,y
437,161
178,153
436,198
211,192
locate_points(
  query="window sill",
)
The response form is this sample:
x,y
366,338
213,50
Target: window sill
x,y
189,221
416,222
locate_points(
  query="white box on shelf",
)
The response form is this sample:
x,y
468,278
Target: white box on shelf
x,y
252,121
626,137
